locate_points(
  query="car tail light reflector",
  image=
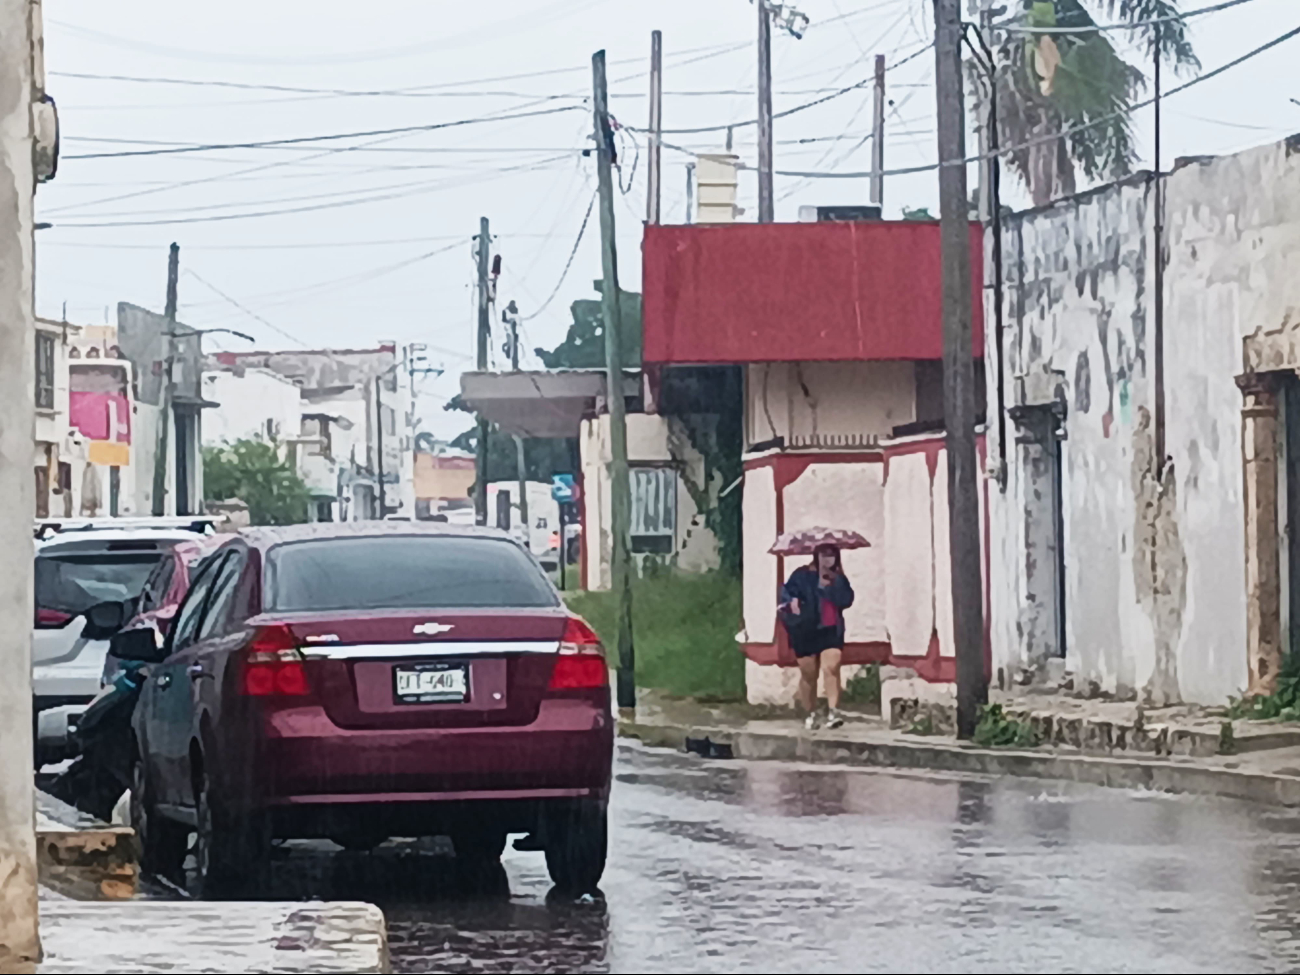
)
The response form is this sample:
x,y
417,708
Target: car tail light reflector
x,y
581,660
273,665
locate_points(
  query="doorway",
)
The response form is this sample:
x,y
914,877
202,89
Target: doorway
x,y
1040,441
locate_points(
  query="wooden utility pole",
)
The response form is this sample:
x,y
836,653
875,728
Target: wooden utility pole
x,y
484,337
620,487
878,137
959,372
653,171
379,443
521,460
168,387
20,947
766,200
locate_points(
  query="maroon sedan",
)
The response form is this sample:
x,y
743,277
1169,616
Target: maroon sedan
x,y
367,680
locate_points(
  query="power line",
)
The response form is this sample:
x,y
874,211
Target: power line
x,y
865,82
325,138
1071,130
1134,25
567,264
272,213
247,311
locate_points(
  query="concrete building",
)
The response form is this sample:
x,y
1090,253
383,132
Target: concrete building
x,y
1144,539
346,415
157,359
442,479
834,329
59,452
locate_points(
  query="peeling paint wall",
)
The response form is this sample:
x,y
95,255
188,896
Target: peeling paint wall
x,y
1156,597
651,439
1078,281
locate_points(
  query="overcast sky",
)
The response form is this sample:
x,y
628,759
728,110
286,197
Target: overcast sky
x,y
347,242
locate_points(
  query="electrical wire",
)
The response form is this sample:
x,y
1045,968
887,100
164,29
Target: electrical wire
x,y
1013,28
298,140
1071,130
567,264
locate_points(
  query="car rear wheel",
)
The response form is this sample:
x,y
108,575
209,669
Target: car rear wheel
x,y
576,839
230,850
479,844
163,843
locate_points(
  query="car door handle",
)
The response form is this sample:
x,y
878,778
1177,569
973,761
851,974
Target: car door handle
x,y
164,680
196,671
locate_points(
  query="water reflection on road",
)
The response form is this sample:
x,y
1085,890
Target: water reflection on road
x,y
766,867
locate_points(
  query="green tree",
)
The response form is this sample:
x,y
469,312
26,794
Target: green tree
x,y
1048,84
584,344
254,472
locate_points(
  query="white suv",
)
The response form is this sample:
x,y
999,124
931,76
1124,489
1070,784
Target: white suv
x,y
80,565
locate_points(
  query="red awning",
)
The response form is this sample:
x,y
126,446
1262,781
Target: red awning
x,y
798,292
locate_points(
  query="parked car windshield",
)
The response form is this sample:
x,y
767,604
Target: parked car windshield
x,y
68,585
403,572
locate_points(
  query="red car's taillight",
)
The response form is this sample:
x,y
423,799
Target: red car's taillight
x,y
273,665
581,661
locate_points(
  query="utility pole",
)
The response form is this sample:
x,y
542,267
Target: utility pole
x,y
1159,337
620,487
959,371
656,126
878,137
379,443
484,337
766,204
511,317
168,390
20,947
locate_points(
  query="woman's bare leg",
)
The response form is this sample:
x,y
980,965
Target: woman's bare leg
x,y
808,684
830,660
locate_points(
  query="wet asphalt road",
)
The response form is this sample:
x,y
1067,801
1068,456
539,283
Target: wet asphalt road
x,y
770,867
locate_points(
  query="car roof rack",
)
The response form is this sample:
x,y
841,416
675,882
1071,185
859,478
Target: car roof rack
x,y
199,524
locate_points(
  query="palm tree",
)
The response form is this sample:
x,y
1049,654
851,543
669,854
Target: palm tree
x,y
1049,84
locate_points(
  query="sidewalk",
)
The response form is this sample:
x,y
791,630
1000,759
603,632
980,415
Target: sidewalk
x,y
1270,775
91,923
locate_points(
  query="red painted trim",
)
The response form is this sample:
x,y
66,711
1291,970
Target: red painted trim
x,y
787,467
582,540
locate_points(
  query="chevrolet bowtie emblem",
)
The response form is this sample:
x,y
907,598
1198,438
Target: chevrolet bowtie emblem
x,y
432,628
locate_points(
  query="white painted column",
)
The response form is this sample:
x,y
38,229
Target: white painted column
x,y
19,941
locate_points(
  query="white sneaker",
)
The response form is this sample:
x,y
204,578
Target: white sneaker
x,y
811,722
834,719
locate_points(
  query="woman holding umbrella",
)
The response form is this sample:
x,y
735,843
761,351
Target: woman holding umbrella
x,y
813,602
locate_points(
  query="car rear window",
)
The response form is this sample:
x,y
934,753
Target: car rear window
x,y
403,572
69,584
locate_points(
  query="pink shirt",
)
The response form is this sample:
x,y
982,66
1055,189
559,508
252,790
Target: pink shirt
x,y
830,615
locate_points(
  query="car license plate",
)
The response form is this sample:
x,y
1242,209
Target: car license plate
x,y
437,683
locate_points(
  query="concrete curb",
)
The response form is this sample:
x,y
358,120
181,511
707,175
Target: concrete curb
x,y
227,937
81,857
1161,775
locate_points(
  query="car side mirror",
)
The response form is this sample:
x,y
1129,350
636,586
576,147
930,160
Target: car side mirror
x,y
140,645
103,620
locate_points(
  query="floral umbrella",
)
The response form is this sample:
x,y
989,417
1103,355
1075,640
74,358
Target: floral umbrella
x,y
806,540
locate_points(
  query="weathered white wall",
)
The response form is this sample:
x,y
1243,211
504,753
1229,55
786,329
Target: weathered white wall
x,y
249,401
1156,599
761,569
850,496
650,439
842,399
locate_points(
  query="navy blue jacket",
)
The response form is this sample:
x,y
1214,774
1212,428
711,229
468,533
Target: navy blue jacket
x,y
805,627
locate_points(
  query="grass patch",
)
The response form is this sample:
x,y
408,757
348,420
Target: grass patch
x,y
996,730
684,628
863,687
1282,705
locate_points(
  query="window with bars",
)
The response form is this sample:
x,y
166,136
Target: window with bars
x,y
654,510
44,371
